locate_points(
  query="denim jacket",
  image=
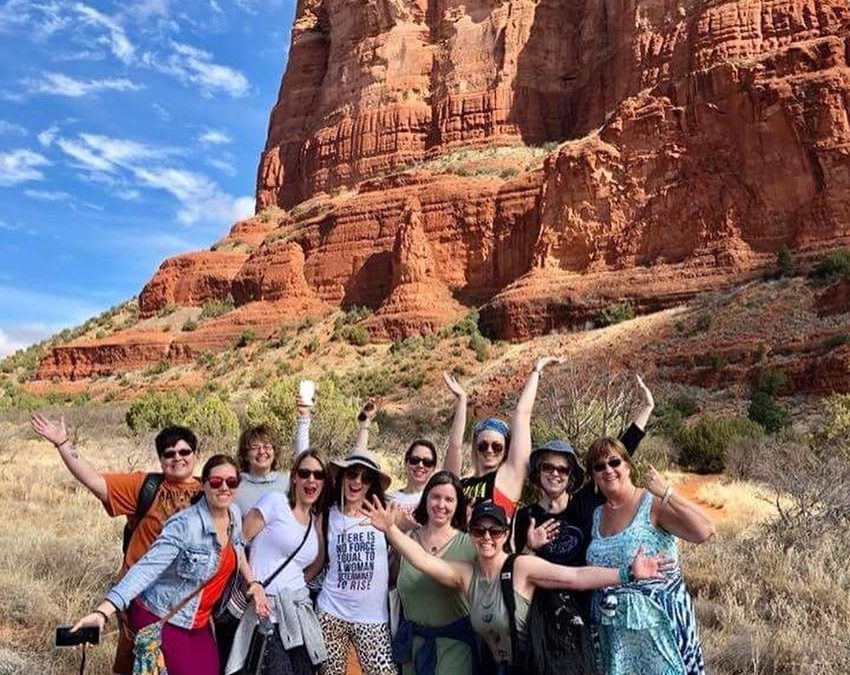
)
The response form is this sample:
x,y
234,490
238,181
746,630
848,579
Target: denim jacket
x,y
184,556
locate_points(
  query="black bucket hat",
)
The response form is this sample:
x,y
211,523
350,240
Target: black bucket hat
x,y
561,448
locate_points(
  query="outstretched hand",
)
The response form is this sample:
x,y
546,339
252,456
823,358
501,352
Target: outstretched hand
x,y
51,431
540,535
544,361
453,385
93,619
646,398
644,567
381,517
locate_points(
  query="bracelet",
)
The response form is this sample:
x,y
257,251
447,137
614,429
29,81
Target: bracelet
x,y
256,582
625,575
61,443
667,494
103,614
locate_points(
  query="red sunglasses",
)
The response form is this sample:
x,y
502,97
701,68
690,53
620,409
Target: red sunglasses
x,y
215,482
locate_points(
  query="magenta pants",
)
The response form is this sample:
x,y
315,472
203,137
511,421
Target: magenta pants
x,y
187,651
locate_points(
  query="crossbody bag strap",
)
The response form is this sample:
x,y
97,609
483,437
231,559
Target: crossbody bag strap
x,y
506,581
269,579
180,605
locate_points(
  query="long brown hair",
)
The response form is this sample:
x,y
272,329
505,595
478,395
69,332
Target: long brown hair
x,y
321,503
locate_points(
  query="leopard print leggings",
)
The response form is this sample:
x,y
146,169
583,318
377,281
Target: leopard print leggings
x,y
371,642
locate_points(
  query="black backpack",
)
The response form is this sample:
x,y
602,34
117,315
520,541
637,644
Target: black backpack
x,y
147,492
558,641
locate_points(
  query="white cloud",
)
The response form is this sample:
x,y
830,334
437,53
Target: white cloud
x,y
57,84
47,136
96,152
19,166
12,128
195,66
200,197
13,338
214,137
222,165
48,195
117,39
41,19
161,112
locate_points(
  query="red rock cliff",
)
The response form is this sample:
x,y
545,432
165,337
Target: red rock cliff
x,y
694,139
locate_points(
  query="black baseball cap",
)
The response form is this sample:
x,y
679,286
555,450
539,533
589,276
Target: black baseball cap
x,y
488,509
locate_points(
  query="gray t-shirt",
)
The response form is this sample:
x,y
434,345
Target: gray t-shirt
x,y
489,615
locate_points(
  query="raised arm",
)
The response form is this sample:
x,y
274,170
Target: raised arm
x,y
301,439
57,434
513,472
646,406
453,461
451,574
534,571
364,419
676,514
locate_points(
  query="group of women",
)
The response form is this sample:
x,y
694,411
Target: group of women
x,y
440,543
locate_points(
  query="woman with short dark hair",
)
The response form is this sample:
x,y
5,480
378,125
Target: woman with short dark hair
x,y
420,460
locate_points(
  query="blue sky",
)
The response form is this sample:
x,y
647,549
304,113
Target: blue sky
x,y
128,132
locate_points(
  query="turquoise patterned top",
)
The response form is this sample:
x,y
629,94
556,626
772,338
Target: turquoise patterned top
x,y
647,626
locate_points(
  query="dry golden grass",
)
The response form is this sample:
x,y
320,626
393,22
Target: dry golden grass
x,y
59,552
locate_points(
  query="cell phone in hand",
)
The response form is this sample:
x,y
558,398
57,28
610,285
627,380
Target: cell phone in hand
x,y
306,391
85,635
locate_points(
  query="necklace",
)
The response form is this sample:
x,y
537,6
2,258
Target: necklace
x,y
435,547
628,500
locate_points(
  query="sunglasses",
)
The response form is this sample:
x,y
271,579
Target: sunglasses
x,y
171,454
304,474
546,467
215,482
479,531
497,448
366,475
614,462
427,462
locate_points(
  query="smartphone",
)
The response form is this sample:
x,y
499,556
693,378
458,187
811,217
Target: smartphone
x,y
87,634
306,391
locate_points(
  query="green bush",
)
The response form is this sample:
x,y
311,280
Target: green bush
x,y
702,322
770,381
214,422
835,341
614,314
154,410
468,325
765,410
480,345
334,417
213,308
245,338
157,368
785,262
165,310
834,265
189,325
353,335
508,173
703,447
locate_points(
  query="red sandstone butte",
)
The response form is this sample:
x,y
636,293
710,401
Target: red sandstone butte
x,y
690,142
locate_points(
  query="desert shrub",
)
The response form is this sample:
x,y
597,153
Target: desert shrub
x,y
834,265
334,417
835,341
702,322
614,314
154,410
468,325
508,173
157,368
189,325
26,359
245,338
166,310
215,423
480,346
764,409
353,335
669,414
213,308
703,446
784,262
205,359
414,379
377,381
